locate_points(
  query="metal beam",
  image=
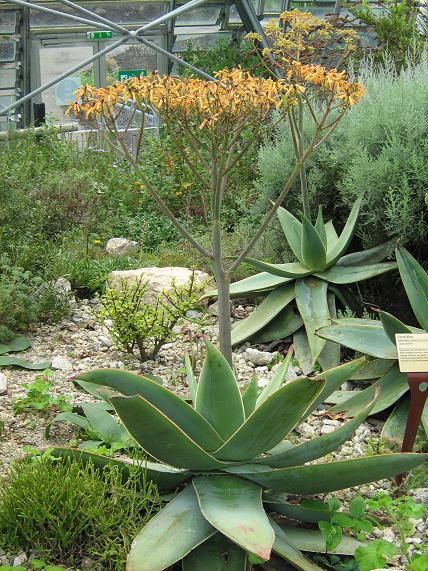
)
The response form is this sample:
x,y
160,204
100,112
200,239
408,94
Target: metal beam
x,y
94,16
250,20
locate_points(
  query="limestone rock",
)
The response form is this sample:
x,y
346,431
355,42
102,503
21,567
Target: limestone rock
x,y
3,384
121,247
259,358
61,363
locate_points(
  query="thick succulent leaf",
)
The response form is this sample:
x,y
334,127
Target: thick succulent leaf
x,y
253,285
292,229
373,370
24,364
103,423
164,476
346,236
323,478
392,325
97,391
159,436
175,408
291,270
394,428
190,376
363,335
281,326
339,397
276,380
318,447
331,235
391,386
311,299
271,421
330,355
216,554
249,397
352,274
303,351
18,344
370,256
308,511
168,537
288,552
320,227
71,418
334,378
275,302
234,507
415,281
313,541
218,398
313,249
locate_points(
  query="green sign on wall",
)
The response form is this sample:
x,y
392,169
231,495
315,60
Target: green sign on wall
x,y
99,35
124,74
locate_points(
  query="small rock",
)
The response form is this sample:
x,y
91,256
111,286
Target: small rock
x,y
20,559
420,495
3,384
194,315
213,309
61,363
121,247
259,358
261,383
105,341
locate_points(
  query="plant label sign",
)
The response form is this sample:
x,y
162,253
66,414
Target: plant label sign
x,y
124,74
412,352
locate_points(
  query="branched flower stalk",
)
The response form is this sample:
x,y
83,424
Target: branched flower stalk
x,y
214,124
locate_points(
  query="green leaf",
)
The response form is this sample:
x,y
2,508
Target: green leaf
x,y
168,537
292,229
256,284
216,554
375,554
280,327
103,423
234,507
288,552
320,227
175,408
391,386
191,380
249,397
346,236
291,270
13,361
159,436
311,299
363,335
331,234
322,478
415,281
330,355
70,417
392,325
419,563
303,351
312,540
308,511
352,274
332,534
320,446
371,256
270,307
271,421
313,249
276,380
395,426
218,398
373,370
18,344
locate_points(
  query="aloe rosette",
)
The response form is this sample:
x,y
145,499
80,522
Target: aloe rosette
x,y
301,296
226,456
376,338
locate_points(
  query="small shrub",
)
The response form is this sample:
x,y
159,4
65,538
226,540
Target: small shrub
x,y
67,512
39,398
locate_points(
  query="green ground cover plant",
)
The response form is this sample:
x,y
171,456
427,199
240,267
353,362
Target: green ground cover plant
x,y
38,397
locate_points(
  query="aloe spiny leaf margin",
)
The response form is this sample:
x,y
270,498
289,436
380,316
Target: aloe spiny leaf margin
x,y
202,510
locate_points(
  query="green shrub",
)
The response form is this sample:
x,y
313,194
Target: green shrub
x,y
66,512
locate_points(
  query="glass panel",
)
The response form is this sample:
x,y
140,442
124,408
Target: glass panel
x,y
199,40
273,6
234,16
7,77
201,15
7,51
130,58
118,12
7,22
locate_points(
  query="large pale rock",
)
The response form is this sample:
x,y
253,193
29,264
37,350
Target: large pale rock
x,y
121,247
158,279
3,384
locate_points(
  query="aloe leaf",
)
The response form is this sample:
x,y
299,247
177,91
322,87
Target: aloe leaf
x,y
371,256
24,364
318,447
103,423
373,370
320,227
270,307
415,281
313,249
159,436
292,229
346,236
18,344
276,380
71,418
330,355
280,327
332,476
218,398
392,325
178,411
311,299
353,274
249,397
363,335
234,507
257,283
190,376
271,421
291,270
303,351
391,386
288,552
308,511
395,426
97,391
168,537
331,235
216,554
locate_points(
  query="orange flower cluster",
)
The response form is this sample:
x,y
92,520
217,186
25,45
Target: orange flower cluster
x,y
236,94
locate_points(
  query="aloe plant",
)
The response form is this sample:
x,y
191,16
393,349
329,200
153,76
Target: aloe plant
x,y
304,293
377,339
228,457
